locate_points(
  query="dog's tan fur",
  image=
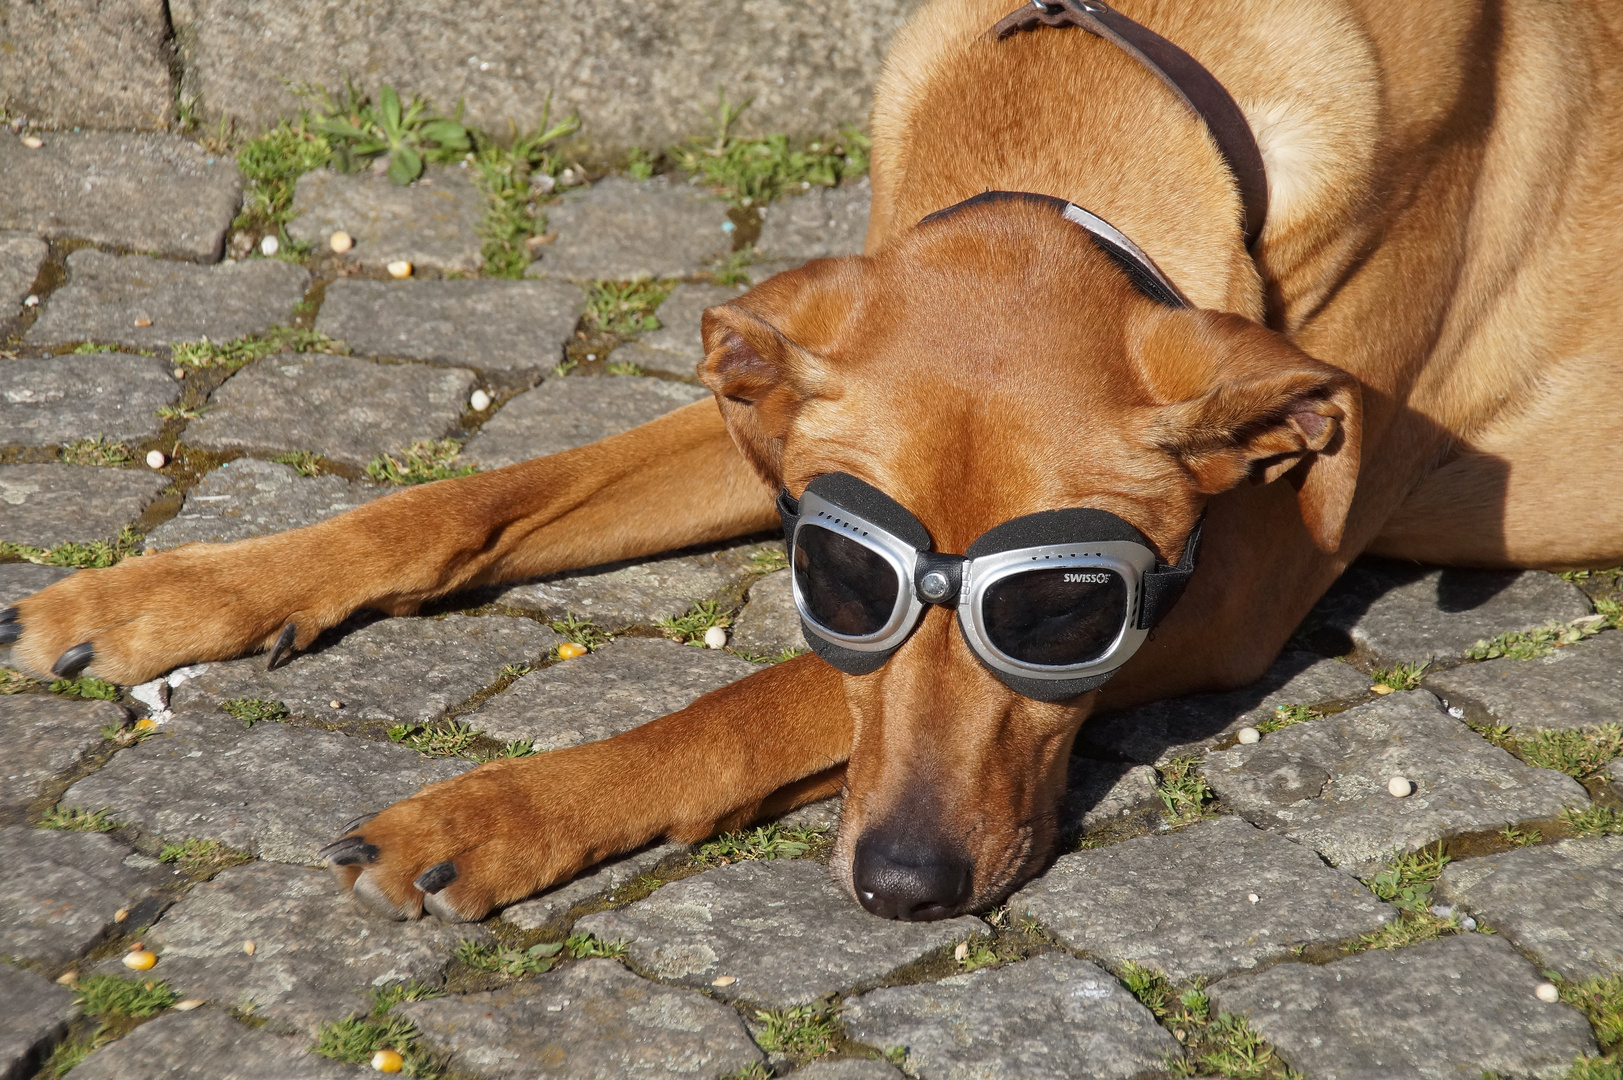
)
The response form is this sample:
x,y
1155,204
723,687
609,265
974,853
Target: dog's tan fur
x,y
1422,359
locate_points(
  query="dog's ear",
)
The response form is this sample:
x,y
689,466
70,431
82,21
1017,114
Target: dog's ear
x,y
760,378
1249,404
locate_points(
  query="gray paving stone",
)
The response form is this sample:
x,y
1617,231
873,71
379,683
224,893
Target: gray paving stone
x,y
1461,1006
152,193
782,929
562,414
1100,792
34,1015
1405,612
677,345
491,325
848,1069
316,951
61,891
21,256
1615,771
620,686
46,736
636,593
619,229
1562,903
1163,730
49,402
591,1021
97,66
431,223
407,670
823,222
342,408
45,505
1181,903
18,580
248,497
1323,783
208,1045
1047,1018
769,622
552,906
1576,686
106,295
276,791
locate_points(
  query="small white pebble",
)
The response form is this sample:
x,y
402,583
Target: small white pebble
x,y
1249,735
591,356
180,373
33,142
1468,924
340,241
156,460
715,638
269,246
1547,992
335,703
31,301
1456,712
400,268
480,401
1253,897
1399,787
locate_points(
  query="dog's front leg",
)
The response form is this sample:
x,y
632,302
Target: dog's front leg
x,y
676,481
509,828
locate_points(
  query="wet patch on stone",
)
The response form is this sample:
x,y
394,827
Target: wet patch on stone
x,y
431,223
489,325
1459,1006
1052,1015
592,1019
1324,783
106,295
620,229
44,738
45,505
562,414
1577,686
1561,903
247,498
50,402
339,407
781,929
1181,904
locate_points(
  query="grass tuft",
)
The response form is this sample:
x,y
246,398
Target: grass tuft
x,y
625,307
769,559
449,739
387,997
1222,1045
303,462
91,555
1580,754
801,1032
1406,883
587,946
1184,794
1595,821
1400,676
78,819
202,858
513,215
1288,715
581,631
763,843
113,997
516,963
234,354
752,172
1540,641
354,1040
272,163
253,711
422,462
96,451
86,688
1521,837
689,628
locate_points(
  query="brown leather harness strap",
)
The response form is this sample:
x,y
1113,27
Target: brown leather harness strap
x,y
1182,73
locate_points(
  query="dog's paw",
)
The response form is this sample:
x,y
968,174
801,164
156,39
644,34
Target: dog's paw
x,y
134,621
460,848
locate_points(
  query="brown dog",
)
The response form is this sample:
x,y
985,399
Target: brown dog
x,y
1420,358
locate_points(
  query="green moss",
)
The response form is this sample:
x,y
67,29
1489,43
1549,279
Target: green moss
x,y
202,858
96,451
253,711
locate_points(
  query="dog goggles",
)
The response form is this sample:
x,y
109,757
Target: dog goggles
x,y
1051,603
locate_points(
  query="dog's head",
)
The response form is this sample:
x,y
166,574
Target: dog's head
x,y
987,365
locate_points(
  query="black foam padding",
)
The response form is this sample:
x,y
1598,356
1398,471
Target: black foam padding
x,y
849,661
1073,525
868,502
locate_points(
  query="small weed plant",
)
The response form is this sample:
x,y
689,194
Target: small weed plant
x,y
587,946
1406,883
236,353
272,163
974,954
516,963
354,1040
1288,715
769,559
420,463
253,711
1596,821
753,1071
765,842
752,172
78,819
449,739
510,177
1541,641
1580,754
1221,1045
1520,837
179,412
96,451
625,307
202,858
408,134
581,631
86,688
387,997
15,682
1184,795
91,349
1400,676
689,628
802,1032
110,997
92,555
624,367
302,462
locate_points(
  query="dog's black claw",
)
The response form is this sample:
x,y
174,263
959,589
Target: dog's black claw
x,y
282,646
10,628
349,851
75,660
436,877
355,823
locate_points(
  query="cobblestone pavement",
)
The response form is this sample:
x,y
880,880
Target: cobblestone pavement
x,y
1223,904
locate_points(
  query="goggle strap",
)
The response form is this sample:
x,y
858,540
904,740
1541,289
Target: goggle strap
x,y
1165,584
789,514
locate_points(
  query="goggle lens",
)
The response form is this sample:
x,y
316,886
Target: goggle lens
x,y
1058,617
846,588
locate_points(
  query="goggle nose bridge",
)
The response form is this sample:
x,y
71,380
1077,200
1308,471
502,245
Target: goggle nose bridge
x,y
938,578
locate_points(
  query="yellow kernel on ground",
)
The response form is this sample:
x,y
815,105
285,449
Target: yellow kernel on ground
x,y
121,914
146,723
188,1005
139,960
400,268
143,322
569,650
249,947
33,142
341,241
387,1061
724,980
1381,689
67,978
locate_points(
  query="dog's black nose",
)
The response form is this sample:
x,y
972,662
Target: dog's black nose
x,y
907,878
